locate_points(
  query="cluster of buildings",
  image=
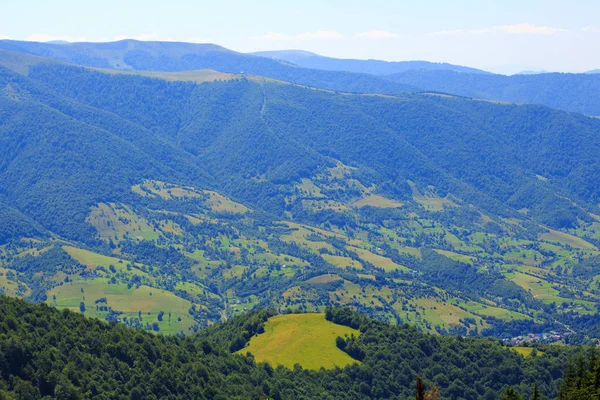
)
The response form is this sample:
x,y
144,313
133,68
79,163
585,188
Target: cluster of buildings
x,y
547,337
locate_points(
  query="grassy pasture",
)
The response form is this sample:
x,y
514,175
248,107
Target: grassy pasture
x,y
437,312
565,239
342,262
93,260
324,279
113,221
305,339
456,257
128,300
430,200
379,261
525,351
377,201
10,287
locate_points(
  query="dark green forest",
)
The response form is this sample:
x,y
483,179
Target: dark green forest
x,y
47,352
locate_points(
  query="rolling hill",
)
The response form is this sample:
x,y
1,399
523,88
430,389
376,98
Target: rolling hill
x,y
172,201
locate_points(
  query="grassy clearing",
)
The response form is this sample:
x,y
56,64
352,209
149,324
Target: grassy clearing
x,y
10,286
131,301
543,290
456,257
490,311
307,188
525,351
93,260
168,191
319,205
565,239
377,201
305,339
115,221
437,312
299,236
221,204
379,261
342,262
324,279
429,200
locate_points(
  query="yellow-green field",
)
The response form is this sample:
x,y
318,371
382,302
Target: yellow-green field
x,y
168,191
305,339
10,287
525,351
342,262
128,300
115,221
566,239
377,201
379,261
430,200
93,260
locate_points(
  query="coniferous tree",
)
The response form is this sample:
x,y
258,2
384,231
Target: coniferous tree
x,y
420,389
535,395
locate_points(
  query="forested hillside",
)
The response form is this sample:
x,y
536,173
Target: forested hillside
x,y
569,92
173,56
169,205
47,352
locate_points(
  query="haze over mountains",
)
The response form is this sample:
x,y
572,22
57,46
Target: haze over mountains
x,y
375,67
569,92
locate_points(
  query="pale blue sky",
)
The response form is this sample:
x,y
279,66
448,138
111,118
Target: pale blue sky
x,y
504,36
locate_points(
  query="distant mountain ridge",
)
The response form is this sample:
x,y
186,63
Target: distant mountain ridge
x,y
375,67
569,92
179,56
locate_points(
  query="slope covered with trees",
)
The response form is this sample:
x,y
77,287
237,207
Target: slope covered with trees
x,y
172,56
170,205
46,352
569,92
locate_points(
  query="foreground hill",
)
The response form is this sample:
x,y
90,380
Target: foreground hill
x,y
46,352
174,56
168,204
375,67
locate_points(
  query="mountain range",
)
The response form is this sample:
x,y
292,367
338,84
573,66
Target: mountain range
x,y
569,92
174,187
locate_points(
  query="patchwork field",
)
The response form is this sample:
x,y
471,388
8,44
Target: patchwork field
x,y
305,339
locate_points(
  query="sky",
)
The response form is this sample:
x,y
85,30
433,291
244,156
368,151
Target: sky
x,y
501,36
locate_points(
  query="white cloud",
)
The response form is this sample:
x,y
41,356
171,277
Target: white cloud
x,y
3,37
592,29
320,35
142,37
528,29
272,36
447,32
375,34
44,37
511,29
317,35
479,31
